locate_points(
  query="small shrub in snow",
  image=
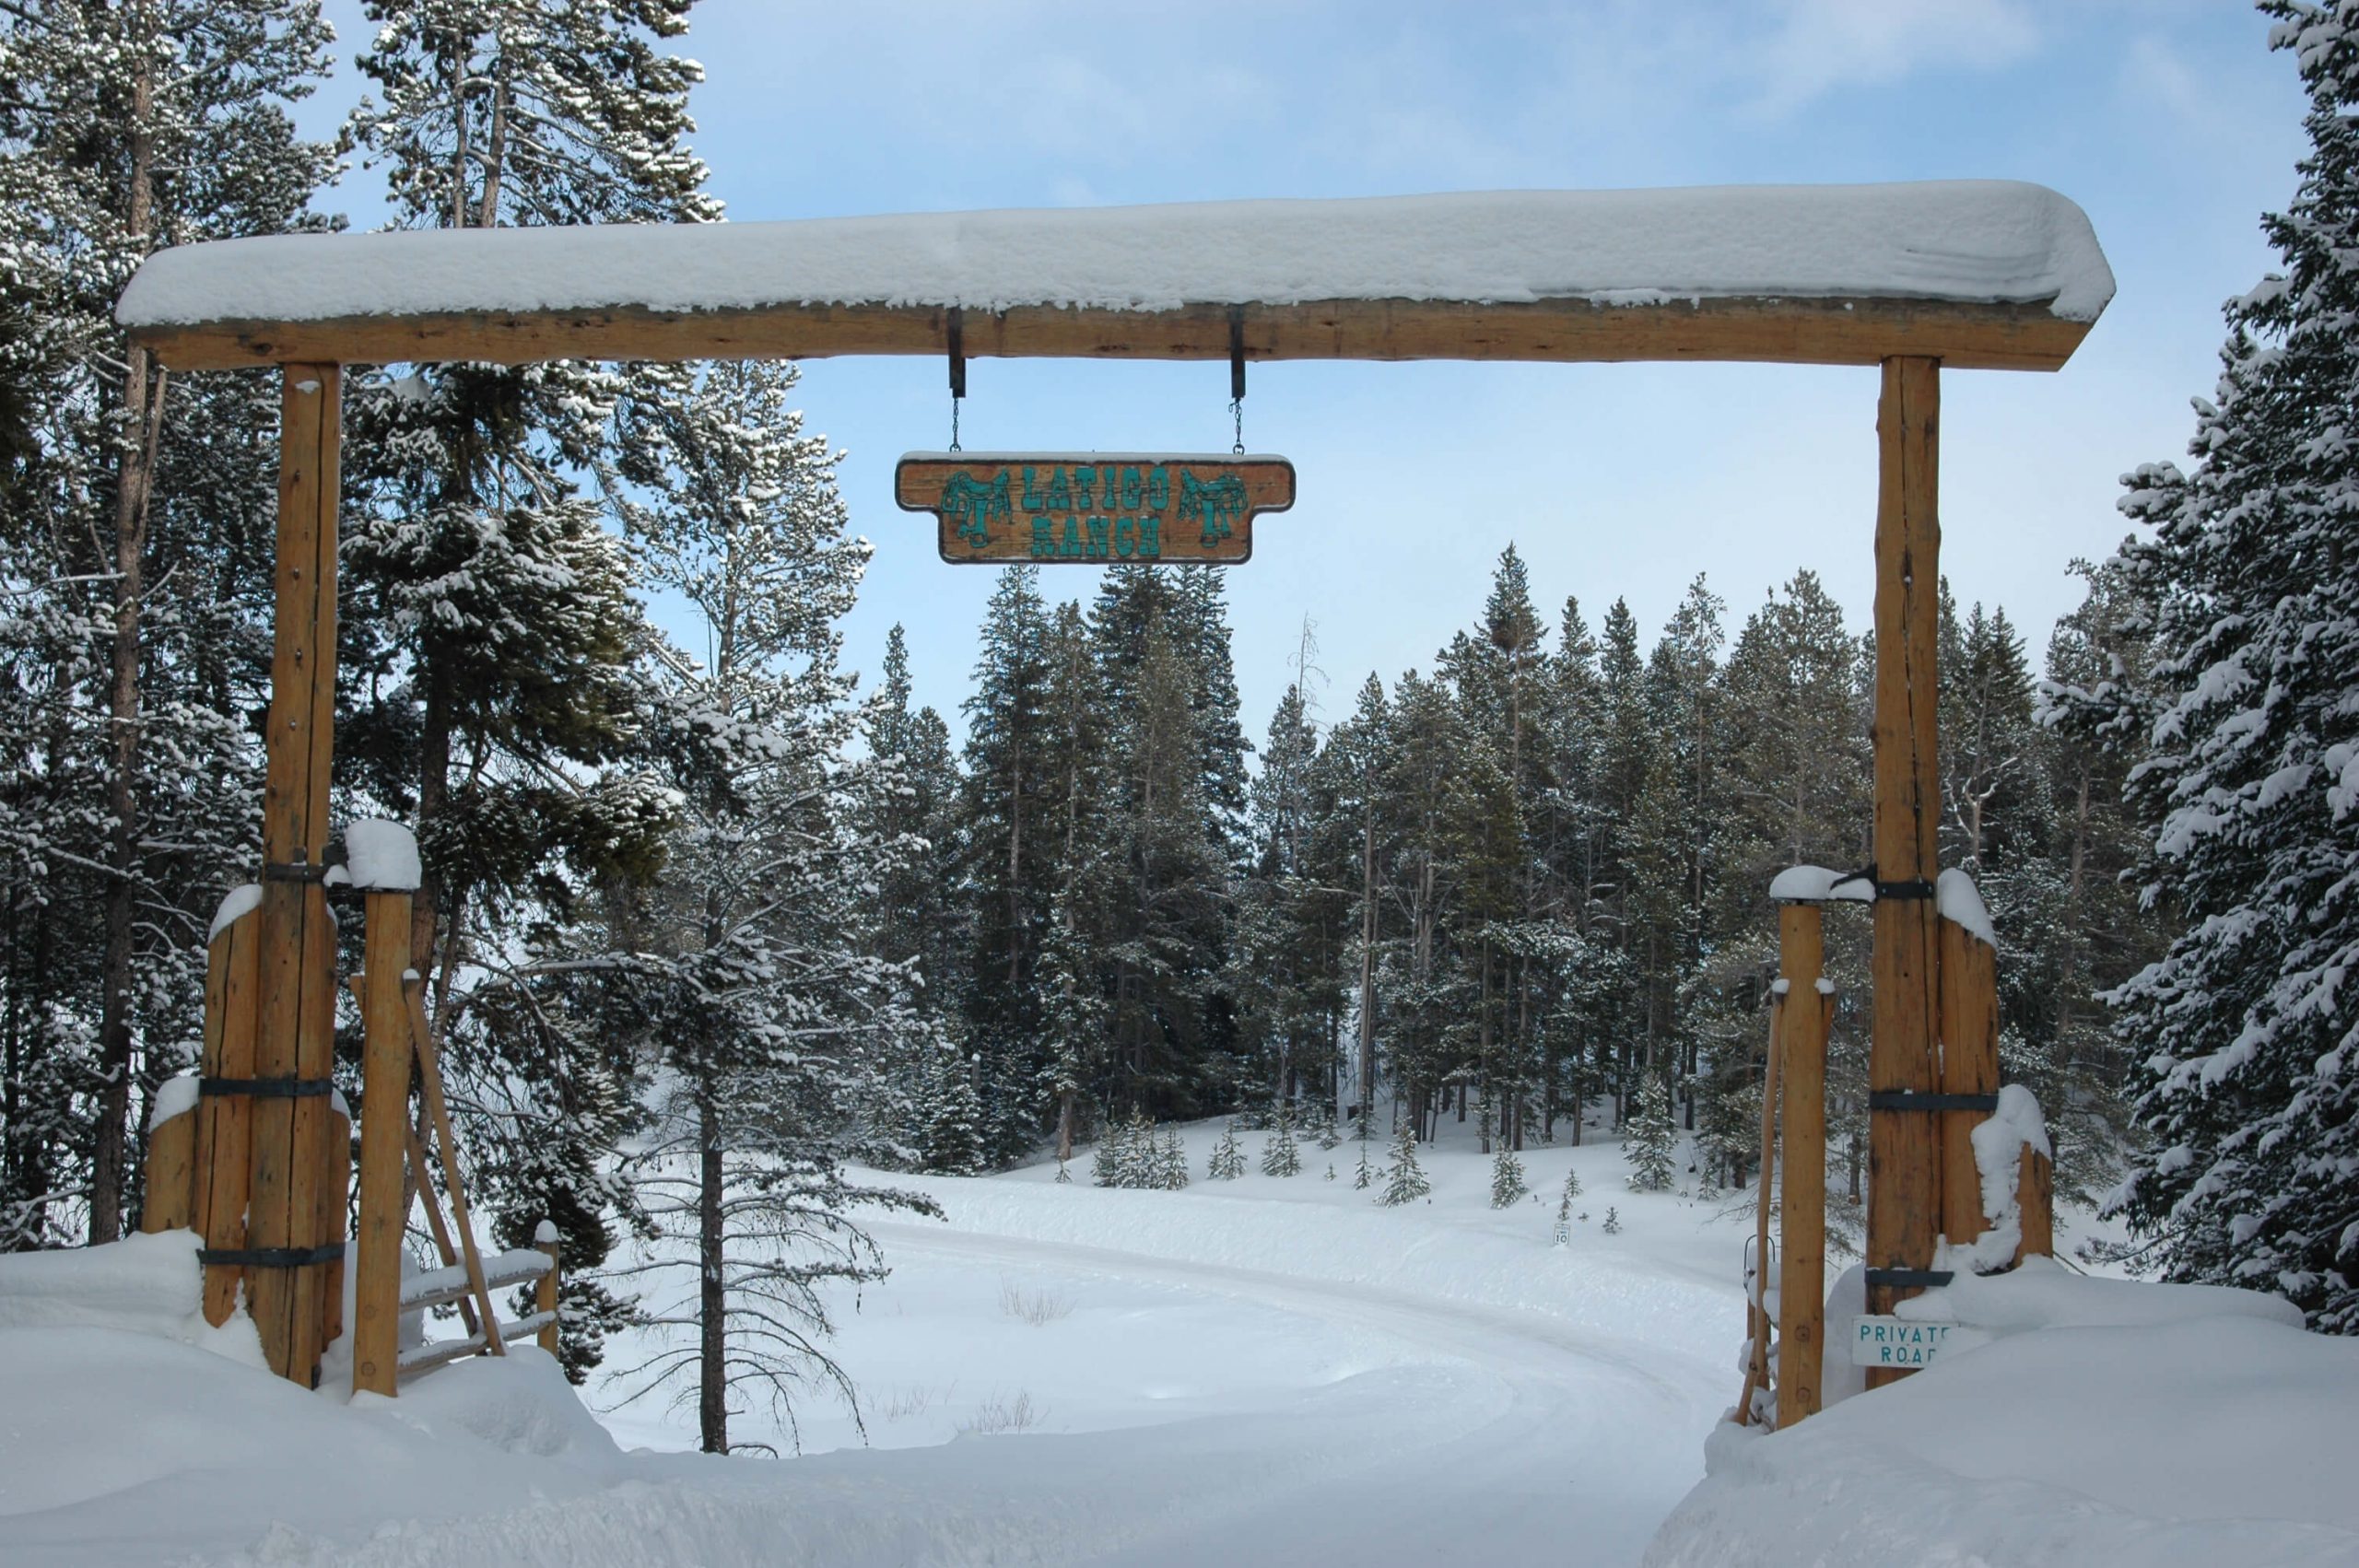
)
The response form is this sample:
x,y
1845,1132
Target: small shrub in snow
x,y
1564,1209
1507,1179
1652,1134
1229,1160
1328,1136
1330,1170
997,1414
1366,1172
1039,1308
1613,1222
1404,1179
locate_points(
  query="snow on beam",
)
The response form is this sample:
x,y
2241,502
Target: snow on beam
x,y
1978,274
1816,885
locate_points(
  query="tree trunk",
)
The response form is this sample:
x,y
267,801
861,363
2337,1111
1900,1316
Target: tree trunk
x,y
713,1299
142,406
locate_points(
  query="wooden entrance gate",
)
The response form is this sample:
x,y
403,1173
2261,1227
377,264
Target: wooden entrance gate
x,y
1906,278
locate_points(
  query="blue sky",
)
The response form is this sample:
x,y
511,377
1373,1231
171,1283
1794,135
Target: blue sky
x,y
2168,120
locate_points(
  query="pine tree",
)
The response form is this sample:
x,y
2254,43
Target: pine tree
x,y
743,963
1229,1160
1507,1179
1612,1227
949,1121
1564,1208
1653,1136
1115,1162
129,555
1281,1156
1171,1162
1009,881
1366,1174
2242,1032
1404,1179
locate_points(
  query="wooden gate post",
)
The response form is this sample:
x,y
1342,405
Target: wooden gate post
x,y
1969,1067
384,1143
1801,1167
225,1122
1904,1193
294,1047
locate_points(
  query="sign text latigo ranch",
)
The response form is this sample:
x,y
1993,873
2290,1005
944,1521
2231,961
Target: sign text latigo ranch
x,y
1095,508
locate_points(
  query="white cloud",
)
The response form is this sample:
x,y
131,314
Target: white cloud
x,y
1816,46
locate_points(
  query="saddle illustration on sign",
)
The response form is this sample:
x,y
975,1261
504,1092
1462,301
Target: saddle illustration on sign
x,y
1094,508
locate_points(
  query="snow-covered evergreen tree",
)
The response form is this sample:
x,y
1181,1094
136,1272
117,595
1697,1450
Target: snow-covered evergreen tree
x,y
1564,1208
1171,1162
1366,1173
743,965
2247,1030
506,690
1229,1160
1115,1160
1651,1142
1280,1155
1612,1225
1404,1178
949,1116
1507,1179
134,554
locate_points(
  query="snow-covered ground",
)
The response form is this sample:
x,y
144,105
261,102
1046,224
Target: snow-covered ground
x,y
1259,1370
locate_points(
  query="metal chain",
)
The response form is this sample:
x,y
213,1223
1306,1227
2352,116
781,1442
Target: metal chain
x,y
1236,409
953,425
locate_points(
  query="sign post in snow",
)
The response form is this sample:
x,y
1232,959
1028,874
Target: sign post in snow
x,y
1895,1342
1095,509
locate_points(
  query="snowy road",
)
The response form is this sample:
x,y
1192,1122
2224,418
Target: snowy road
x,y
1528,1433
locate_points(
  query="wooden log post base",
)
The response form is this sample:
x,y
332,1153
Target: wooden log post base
x,y
544,1295
1969,1071
286,1247
384,1143
168,1196
2035,1199
1903,1191
1802,1163
225,1121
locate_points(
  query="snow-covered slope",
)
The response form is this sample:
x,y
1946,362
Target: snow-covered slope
x,y
2110,1423
1259,1370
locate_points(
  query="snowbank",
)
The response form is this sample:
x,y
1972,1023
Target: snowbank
x,y
2109,1422
1969,242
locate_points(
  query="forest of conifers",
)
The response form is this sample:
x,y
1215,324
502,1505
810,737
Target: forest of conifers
x,y
1521,880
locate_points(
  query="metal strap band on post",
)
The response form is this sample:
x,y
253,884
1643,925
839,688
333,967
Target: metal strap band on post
x,y
294,870
1926,1100
267,1088
1911,887
1908,1279
958,334
270,1257
1235,353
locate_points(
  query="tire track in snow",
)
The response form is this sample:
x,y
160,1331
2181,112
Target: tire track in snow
x,y
1585,1441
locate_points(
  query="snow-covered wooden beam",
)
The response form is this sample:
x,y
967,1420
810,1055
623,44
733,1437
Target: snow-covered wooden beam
x,y
1976,274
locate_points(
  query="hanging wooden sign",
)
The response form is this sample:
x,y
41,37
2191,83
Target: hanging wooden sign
x,y
1094,508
